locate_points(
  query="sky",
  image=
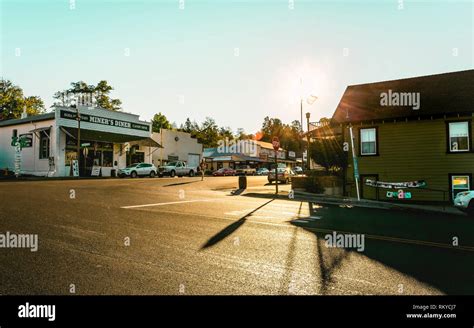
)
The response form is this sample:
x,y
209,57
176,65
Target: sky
x,y
234,61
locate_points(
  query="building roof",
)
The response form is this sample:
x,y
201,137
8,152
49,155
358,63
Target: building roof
x,y
214,153
440,94
34,118
266,145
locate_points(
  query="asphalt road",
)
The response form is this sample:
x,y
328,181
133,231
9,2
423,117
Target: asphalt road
x,y
187,236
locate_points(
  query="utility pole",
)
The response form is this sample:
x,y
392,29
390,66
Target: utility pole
x,y
301,104
78,147
276,147
356,166
308,138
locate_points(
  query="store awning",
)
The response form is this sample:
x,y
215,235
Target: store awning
x,y
147,142
46,130
111,137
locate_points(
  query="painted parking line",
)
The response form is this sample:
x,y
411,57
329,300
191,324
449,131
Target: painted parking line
x,y
168,203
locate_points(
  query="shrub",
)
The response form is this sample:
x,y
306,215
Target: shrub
x,y
313,184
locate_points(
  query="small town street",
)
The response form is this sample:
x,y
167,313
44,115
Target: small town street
x,y
187,236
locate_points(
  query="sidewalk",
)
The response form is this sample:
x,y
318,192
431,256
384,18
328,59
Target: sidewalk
x,y
351,201
448,209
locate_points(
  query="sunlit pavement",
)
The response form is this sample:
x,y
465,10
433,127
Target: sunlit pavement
x,y
187,236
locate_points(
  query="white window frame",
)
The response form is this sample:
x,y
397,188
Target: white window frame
x,y
462,189
375,142
468,138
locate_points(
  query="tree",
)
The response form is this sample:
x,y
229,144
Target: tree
x,y
188,126
329,153
208,133
241,135
160,122
100,93
13,102
226,132
289,134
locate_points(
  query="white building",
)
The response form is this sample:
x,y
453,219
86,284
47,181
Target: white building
x,y
109,140
177,146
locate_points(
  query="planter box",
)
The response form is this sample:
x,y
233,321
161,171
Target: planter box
x,y
326,185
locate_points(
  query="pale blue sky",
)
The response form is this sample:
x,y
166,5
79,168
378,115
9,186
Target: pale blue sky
x,y
190,54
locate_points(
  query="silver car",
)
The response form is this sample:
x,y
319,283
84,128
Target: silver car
x,y
138,169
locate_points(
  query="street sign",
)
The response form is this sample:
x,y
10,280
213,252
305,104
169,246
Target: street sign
x,y
276,143
17,160
87,144
85,151
26,140
356,168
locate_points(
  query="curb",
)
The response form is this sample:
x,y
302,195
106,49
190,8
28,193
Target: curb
x,y
376,204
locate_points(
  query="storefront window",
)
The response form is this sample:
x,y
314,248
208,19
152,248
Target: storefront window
x,y
99,153
108,158
70,156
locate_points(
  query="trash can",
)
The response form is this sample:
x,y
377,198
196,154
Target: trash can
x,y
242,182
113,173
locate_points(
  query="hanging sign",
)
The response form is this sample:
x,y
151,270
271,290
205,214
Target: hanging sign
x,y
396,185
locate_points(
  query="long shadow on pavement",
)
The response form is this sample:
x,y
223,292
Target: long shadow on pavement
x,y
449,270
180,183
231,228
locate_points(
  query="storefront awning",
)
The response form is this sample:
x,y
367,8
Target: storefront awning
x,y
38,130
111,137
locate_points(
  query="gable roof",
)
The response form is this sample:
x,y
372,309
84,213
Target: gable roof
x,y
440,94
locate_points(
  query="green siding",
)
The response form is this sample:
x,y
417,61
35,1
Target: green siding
x,y
413,150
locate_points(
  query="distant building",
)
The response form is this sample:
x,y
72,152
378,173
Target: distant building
x,y
177,145
252,153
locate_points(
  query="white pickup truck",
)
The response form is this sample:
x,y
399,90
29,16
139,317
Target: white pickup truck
x,y
245,170
178,168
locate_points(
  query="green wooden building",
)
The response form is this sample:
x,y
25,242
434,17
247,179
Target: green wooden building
x,y
414,135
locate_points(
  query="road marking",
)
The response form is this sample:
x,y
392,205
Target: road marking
x,y
168,203
377,237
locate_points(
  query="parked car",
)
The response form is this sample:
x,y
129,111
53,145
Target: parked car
x,y
138,169
284,175
263,171
464,200
178,168
245,170
223,172
298,170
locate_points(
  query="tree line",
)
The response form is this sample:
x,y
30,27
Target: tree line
x,y
325,152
